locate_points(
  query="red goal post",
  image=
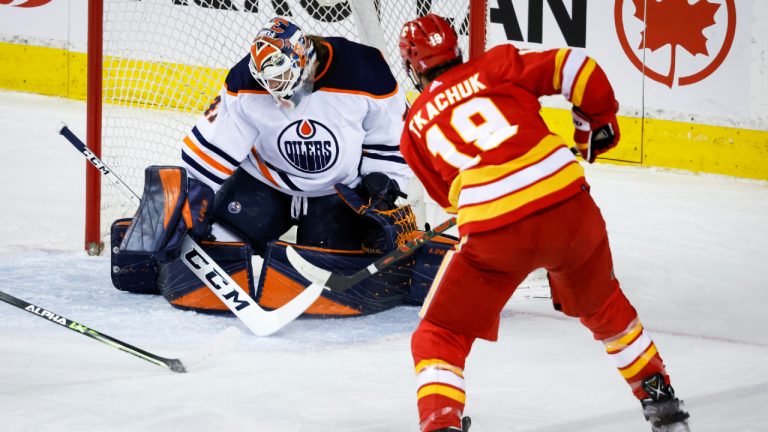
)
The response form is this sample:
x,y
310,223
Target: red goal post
x,y
154,65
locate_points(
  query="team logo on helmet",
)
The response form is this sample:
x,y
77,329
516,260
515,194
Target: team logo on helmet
x,y
309,146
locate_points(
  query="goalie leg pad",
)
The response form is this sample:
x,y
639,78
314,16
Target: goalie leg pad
x,y
171,206
426,262
184,290
280,282
131,272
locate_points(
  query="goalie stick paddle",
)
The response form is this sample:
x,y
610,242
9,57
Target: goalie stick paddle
x,y
259,321
337,282
222,343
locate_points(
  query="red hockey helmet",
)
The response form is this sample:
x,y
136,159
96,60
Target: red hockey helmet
x,y
427,42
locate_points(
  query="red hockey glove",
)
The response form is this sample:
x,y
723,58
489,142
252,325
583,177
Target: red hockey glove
x,y
596,135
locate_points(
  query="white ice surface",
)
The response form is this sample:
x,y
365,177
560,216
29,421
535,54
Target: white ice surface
x,y
690,250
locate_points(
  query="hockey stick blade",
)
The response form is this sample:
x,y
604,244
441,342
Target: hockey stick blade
x,y
258,320
338,282
221,343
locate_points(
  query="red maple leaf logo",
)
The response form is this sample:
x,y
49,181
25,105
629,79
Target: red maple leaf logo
x,y
675,23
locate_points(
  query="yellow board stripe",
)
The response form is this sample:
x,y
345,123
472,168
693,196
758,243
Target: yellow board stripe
x,y
640,363
137,83
441,390
581,83
733,151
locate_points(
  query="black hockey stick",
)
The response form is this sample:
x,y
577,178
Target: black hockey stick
x,y
258,320
222,343
337,282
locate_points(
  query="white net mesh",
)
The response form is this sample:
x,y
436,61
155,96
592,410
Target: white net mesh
x,y
164,61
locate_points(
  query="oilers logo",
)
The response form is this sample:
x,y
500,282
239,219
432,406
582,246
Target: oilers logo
x,y
309,146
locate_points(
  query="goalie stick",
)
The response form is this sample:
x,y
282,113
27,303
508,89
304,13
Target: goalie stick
x,y
337,282
222,343
259,321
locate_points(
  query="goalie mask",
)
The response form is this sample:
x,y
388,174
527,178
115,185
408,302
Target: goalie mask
x,y
425,43
281,60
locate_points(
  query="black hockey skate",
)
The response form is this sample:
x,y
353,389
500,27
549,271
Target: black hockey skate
x,y
662,409
465,423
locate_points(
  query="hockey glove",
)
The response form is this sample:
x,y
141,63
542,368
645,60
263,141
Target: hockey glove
x,y
380,190
594,135
391,227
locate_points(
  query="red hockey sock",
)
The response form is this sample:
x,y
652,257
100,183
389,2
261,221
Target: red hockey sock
x,y
439,356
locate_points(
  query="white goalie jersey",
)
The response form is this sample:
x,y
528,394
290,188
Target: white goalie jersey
x,y
350,125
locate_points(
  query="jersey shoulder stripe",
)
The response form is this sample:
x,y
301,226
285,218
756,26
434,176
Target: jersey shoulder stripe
x,y
200,169
204,142
356,68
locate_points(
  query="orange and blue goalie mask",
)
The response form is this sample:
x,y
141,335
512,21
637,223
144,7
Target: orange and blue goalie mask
x,y
281,60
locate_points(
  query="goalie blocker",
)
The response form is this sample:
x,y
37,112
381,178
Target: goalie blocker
x,y
145,257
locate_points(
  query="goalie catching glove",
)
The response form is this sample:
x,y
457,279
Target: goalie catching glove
x,y
594,135
375,199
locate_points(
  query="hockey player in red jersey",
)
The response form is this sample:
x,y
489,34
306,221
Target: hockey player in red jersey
x,y
475,139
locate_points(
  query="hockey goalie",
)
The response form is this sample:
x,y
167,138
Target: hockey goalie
x,y
305,133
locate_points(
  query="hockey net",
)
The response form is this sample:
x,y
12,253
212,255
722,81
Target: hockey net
x,y
164,61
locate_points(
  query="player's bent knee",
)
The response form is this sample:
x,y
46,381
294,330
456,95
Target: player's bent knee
x,y
615,314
